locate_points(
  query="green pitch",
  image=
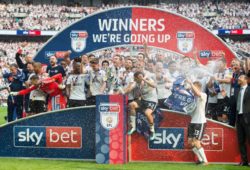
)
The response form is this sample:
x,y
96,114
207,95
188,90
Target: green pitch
x,y
31,164
3,112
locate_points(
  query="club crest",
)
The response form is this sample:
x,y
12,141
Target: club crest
x,y
78,40
109,115
185,41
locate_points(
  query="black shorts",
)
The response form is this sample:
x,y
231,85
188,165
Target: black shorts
x,y
37,106
76,103
91,100
143,105
196,130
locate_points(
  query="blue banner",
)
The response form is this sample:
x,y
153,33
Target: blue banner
x,y
67,134
168,138
89,34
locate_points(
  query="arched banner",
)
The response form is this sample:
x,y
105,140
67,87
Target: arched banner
x,y
136,26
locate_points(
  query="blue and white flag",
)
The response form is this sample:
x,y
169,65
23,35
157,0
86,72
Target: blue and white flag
x,y
181,97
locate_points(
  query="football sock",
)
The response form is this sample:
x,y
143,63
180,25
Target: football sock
x,y
152,128
202,154
133,121
196,152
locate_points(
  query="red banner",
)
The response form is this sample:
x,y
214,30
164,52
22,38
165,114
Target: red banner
x,y
178,34
170,145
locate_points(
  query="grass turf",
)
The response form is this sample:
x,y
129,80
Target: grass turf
x,y
34,164
3,112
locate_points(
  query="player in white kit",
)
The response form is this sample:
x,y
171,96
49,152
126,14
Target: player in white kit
x,y
198,122
146,102
128,80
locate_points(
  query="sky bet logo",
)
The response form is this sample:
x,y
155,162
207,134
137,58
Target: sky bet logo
x,y
168,138
109,107
205,54
47,137
77,34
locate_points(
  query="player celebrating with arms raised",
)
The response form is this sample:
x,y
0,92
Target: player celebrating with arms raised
x,y
146,101
198,122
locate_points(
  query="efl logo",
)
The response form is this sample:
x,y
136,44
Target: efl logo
x,y
78,40
185,41
205,54
47,137
168,138
109,115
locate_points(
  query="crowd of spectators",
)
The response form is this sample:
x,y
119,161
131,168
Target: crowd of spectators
x,y
221,16
231,15
245,46
8,50
111,71
42,17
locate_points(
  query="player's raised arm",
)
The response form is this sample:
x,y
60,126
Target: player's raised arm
x,y
195,89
